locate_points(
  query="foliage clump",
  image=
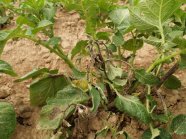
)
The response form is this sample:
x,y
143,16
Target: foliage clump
x,y
159,23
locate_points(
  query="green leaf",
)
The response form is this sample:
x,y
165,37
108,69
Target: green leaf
x,y
61,107
80,46
78,74
176,33
101,88
114,72
161,117
2,45
153,41
21,20
102,36
132,106
112,47
133,45
96,98
180,42
182,64
33,74
120,82
3,20
34,6
120,17
134,2
146,78
164,134
178,125
7,120
6,68
7,1
172,82
4,34
103,132
150,14
44,23
46,88
118,39
49,12
54,41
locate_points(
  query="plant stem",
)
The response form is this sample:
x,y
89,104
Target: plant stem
x,y
147,101
153,65
160,61
120,55
152,129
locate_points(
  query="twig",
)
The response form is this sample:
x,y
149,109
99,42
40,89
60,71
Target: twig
x,y
163,79
167,75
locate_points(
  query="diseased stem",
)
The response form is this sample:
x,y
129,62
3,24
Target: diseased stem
x,y
167,75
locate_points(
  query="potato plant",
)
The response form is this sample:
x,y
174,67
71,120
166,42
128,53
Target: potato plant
x,y
111,80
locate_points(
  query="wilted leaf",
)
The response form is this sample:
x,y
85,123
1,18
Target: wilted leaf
x,y
114,72
81,83
60,107
132,106
178,125
96,99
120,82
46,88
146,78
7,120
